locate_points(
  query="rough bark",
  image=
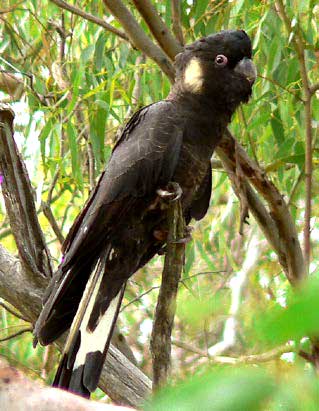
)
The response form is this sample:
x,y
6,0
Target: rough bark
x,y
281,233
166,303
18,197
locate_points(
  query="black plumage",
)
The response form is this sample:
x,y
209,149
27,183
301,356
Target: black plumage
x,y
114,235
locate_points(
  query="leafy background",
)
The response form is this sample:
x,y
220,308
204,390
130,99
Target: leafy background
x,y
231,283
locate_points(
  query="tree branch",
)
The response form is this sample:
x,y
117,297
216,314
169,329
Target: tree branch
x,y
287,244
20,332
87,16
17,192
120,379
11,311
138,38
158,28
166,302
273,354
52,221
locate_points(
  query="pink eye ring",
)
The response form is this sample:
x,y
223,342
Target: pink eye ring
x,y
221,60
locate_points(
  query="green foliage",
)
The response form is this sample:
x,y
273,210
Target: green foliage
x,y
219,390
294,321
73,108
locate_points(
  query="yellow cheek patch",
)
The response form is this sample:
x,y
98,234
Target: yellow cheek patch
x,y
193,76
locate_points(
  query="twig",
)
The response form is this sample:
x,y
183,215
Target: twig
x,y
50,217
53,183
295,186
276,83
158,28
273,354
138,38
13,312
181,280
25,330
190,348
166,303
87,16
155,287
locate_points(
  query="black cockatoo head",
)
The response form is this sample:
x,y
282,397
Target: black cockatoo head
x,y
218,67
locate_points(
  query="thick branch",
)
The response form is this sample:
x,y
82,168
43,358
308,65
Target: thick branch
x,y
138,38
87,16
287,245
158,28
17,192
120,379
166,303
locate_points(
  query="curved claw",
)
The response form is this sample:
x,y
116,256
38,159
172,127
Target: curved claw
x,y
172,193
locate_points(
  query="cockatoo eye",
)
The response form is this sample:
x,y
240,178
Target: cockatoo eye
x,y
221,60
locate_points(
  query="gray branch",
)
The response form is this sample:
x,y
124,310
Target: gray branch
x,y
138,38
166,302
18,197
277,223
158,28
